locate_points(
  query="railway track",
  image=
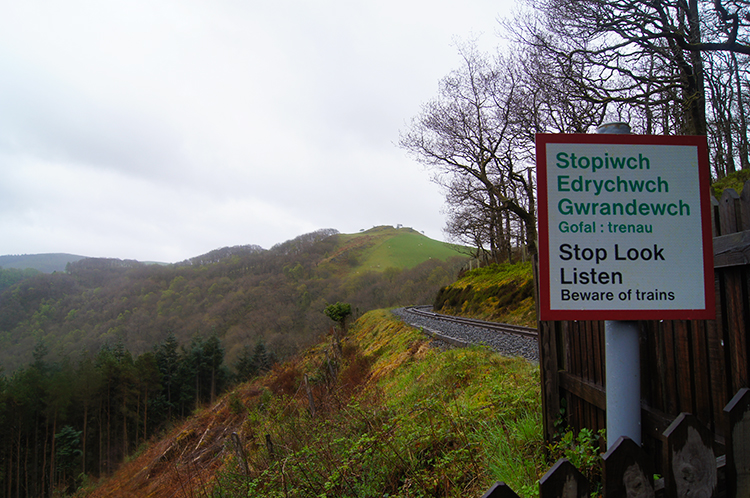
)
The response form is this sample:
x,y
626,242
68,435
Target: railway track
x,y
506,339
425,311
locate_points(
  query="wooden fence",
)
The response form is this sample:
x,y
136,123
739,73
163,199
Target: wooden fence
x,y
693,468
693,367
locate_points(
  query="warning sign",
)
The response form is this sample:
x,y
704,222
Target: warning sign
x,y
624,227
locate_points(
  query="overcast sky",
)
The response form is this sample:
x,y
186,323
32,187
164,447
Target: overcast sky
x,y
160,130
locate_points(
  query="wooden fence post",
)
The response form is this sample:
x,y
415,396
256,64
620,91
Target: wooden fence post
x,y
241,456
310,399
627,471
563,480
269,446
500,490
737,433
692,462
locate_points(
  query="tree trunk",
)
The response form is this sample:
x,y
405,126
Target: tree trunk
x,y
213,384
138,420
35,490
26,467
109,431
197,390
101,437
83,447
743,145
9,471
44,456
145,416
695,92
52,454
124,427
18,459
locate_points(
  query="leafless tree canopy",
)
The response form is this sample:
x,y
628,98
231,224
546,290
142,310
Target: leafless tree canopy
x,y
666,67
468,135
671,67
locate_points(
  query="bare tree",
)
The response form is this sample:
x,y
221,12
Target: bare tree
x,y
726,85
642,53
466,136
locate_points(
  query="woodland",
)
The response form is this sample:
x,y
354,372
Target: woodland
x,y
101,357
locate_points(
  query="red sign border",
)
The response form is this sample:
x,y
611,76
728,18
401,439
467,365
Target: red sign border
x,y
545,312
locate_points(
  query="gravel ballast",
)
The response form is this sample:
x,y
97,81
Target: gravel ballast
x,y
461,335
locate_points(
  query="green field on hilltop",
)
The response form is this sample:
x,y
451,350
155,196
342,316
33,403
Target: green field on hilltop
x,y
388,247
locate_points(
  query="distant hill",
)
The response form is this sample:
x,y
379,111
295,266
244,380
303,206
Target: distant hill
x,y
242,294
45,263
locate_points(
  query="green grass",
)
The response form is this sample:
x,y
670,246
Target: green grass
x,y
497,274
735,181
500,292
386,247
422,422
407,250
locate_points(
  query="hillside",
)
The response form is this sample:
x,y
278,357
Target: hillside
x,y
386,247
45,263
499,292
387,416
241,295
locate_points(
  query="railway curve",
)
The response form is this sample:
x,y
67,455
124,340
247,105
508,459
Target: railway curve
x,y
506,339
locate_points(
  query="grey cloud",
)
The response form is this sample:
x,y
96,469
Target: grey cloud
x,y
44,117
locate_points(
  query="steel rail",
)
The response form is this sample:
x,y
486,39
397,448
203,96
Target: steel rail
x,y
499,327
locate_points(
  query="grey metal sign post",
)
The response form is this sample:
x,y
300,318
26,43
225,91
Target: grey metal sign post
x,y
622,355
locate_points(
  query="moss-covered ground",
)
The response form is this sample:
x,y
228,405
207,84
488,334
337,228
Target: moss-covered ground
x,y
499,292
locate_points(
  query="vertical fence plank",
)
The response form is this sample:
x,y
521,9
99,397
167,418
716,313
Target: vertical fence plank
x,y
563,480
573,366
669,377
586,372
562,337
734,308
692,468
745,207
700,368
598,354
580,411
683,366
715,224
577,363
738,444
585,351
717,370
548,349
729,212
568,332
548,373
657,377
627,471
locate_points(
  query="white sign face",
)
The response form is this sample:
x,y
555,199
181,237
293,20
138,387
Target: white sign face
x,y
624,221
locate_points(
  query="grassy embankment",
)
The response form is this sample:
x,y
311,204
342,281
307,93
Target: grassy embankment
x,y
390,416
503,293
